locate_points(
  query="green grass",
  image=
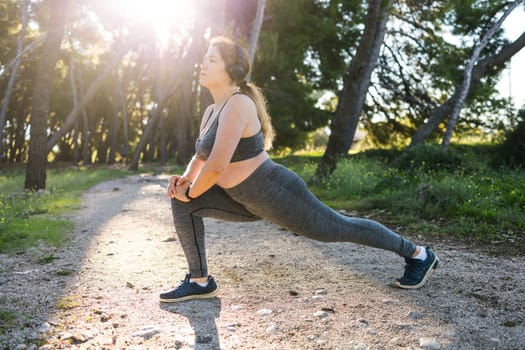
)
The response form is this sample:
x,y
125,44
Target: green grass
x,y
427,191
7,318
27,219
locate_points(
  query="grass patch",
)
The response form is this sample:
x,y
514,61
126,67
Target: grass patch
x,y
64,272
67,303
7,318
47,259
28,219
428,191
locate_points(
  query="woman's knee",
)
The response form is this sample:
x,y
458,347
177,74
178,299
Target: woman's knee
x,y
178,207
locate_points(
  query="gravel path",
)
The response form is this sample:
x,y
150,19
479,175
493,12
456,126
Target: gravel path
x,y
278,290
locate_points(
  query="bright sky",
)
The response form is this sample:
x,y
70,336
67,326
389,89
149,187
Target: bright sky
x,y
512,81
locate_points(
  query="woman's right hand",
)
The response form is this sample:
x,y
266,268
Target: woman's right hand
x,y
174,182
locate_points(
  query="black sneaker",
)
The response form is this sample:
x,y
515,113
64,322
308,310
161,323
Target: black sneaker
x,y
190,290
417,271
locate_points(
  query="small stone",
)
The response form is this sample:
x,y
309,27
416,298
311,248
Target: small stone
x,y
429,343
405,326
146,332
357,345
272,329
231,327
364,322
395,341
204,339
371,332
104,317
415,315
320,314
235,307
46,347
65,336
264,312
130,285
21,347
44,328
75,338
320,291
328,309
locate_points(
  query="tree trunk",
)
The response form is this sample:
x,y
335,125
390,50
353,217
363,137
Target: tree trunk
x,y
441,112
254,35
355,87
86,149
113,130
36,164
183,124
163,151
12,77
124,148
467,76
72,81
18,142
76,143
27,49
152,121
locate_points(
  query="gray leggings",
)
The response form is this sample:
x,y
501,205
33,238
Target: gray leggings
x,y
276,194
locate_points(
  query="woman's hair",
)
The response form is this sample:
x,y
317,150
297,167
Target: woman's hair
x,y
238,65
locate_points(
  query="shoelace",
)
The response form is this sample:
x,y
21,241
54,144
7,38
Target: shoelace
x,y
414,268
185,281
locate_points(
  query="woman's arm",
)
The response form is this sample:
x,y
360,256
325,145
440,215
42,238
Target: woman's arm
x,y
232,122
178,183
192,169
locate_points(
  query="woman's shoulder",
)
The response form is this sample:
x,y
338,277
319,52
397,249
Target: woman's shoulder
x,y
242,102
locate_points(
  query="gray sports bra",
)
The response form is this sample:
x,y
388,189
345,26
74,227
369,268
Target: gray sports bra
x,y
248,147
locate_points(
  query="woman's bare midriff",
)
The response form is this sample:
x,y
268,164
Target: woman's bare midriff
x,y
237,172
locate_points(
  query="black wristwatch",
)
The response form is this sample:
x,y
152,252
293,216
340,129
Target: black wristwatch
x,y
187,193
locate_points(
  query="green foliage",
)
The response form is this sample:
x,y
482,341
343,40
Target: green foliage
x,y
512,151
303,51
6,319
422,64
27,218
429,191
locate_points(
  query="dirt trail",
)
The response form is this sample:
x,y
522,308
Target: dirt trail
x,y
278,290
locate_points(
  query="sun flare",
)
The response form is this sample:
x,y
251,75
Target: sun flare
x,y
168,18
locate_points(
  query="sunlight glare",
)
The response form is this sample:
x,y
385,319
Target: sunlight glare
x,y
168,18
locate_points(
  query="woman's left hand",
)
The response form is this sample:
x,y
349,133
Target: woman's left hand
x,y
180,192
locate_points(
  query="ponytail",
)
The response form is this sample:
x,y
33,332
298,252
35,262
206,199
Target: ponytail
x,y
258,98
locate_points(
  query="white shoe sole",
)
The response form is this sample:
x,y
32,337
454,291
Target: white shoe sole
x,y
192,296
434,266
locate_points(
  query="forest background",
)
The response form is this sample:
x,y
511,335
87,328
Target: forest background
x,y
116,82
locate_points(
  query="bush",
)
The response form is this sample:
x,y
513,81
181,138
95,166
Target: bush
x,y
429,190
512,150
427,158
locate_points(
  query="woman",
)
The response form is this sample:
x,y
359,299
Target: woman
x,y
231,177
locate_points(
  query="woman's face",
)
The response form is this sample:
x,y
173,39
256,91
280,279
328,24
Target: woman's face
x,y
213,69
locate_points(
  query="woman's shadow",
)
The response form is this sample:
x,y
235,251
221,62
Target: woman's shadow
x,y
201,313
